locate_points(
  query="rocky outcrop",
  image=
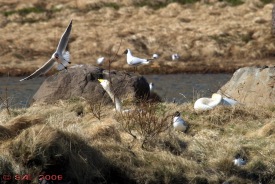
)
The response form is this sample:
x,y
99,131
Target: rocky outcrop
x,y
252,86
82,81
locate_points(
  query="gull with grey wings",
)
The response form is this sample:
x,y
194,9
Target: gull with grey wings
x,y
60,56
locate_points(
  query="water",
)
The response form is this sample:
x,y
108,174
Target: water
x,y
19,93
187,87
191,86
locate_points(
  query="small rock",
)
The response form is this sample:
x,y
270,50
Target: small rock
x,y
252,86
83,82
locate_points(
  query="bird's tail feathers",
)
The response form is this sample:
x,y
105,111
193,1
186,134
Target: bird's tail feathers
x,y
148,61
60,67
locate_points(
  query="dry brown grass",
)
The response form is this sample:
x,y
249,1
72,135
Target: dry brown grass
x,y
211,37
54,139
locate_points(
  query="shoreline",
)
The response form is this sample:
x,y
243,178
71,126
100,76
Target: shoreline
x,y
160,68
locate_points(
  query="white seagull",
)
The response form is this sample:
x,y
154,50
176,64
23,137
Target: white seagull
x,y
175,57
60,56
100,60
107,87
204,104
178,123
155,56
135,61
238,161
151,86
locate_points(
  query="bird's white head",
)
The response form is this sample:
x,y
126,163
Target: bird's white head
x,y
55,56
155,56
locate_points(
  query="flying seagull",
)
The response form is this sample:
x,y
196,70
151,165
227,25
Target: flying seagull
x,y
60,56
135,61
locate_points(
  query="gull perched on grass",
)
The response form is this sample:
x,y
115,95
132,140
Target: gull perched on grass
x,y
175,57
135,61
60,56
204,104
155,56
238,161
178,123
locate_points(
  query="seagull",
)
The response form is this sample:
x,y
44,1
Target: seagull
x,y
155,56
175,57
135,61
60,56
107,87
178,123
151,86
203,104
174,100
100,60
238,161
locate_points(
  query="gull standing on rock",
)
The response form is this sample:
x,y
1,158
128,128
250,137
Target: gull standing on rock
x,y
135,61
178,123
60,56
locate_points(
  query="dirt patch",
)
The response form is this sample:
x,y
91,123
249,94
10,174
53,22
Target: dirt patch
x,y
210,36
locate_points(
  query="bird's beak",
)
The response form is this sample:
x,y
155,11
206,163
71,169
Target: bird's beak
x,y
100,80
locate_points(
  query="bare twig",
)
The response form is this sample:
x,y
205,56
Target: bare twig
x,y
147,121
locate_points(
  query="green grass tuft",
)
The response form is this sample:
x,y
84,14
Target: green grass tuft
x,y
233,2
25,11
160,4
267,1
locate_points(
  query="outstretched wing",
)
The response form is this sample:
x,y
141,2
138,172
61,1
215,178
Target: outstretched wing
x,y
66,58
44,69
60,67
64,39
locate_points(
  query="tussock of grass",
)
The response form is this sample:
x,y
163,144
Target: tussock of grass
x,y
55,139
25,11
234,2
160,4
98,6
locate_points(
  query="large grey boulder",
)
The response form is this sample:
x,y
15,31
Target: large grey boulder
x,y
82,81
252,86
